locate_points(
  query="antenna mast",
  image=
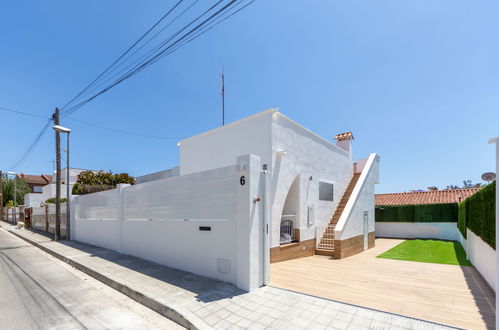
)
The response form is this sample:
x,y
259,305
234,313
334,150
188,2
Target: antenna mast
x,y
223,97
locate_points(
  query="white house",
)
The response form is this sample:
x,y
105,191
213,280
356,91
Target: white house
x,y
259,190
49,190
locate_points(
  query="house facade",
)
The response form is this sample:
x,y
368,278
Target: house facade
x,y
259,190
309,176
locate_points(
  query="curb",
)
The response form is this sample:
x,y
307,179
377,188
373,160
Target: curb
x,y
139,297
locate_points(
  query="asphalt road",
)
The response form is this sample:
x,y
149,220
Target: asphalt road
x,y
38,291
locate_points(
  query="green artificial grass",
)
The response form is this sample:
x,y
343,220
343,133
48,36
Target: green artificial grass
x,y
428,250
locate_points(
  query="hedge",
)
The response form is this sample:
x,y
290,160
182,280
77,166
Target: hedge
x,y
447,212
478,214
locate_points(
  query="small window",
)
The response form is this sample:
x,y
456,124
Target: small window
x,y
37,189
326,191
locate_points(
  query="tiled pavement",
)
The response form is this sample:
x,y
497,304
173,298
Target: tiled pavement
x,y
207,303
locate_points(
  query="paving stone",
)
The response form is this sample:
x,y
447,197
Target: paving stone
x,y
221,305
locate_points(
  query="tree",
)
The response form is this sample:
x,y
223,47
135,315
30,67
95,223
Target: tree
x,y
89,181
8,190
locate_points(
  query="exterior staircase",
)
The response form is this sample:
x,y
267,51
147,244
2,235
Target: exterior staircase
x,y
326,245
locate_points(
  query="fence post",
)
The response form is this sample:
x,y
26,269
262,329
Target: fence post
x,y
248,232
120,211
46,218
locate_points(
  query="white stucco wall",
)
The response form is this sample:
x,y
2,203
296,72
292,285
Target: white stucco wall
x,y
160,221
33,199
182,245
481,255
202,195
221,146
437,230
351,223
49,191
306,155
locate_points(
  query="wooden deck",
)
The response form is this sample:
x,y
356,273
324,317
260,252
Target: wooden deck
x,y
447,294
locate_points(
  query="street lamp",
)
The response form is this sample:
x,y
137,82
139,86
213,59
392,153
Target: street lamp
x,y
15,196
66,130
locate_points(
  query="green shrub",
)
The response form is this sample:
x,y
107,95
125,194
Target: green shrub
x,y
417,213
83,189
461,219
479,214
52,200
90,182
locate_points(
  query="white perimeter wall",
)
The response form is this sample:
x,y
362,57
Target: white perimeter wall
x,y
160,221
437,230
481,255
351,222
33,200
307,155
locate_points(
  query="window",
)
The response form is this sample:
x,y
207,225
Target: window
x,y
37,189
326,191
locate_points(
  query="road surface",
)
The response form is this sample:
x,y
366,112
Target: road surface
x,y
38,291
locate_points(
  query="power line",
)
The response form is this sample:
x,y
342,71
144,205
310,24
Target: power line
x,y
32,145
125,132
23,113
127,51
157,53
149,58
95,125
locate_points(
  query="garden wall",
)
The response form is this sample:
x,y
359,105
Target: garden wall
x,y
435,230
206,223
481,255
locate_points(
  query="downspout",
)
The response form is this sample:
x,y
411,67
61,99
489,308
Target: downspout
x,y
265,227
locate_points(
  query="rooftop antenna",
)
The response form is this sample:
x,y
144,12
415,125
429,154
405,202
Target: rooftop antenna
x,y
223,97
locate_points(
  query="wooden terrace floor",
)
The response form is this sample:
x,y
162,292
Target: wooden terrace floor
x,y
447,294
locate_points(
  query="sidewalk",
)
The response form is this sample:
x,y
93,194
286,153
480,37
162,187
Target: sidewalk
x,y
198,302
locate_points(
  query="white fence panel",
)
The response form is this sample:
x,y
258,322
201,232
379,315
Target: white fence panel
x,y
98,206
481,255
183,245
204,195
104,233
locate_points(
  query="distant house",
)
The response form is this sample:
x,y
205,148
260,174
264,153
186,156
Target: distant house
x,y
35,182
44,187
425,197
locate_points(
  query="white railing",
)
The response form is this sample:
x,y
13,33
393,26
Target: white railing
x,y
352,201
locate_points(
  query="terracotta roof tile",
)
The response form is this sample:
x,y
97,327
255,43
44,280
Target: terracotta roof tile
x,y
35,179
425,197
344,136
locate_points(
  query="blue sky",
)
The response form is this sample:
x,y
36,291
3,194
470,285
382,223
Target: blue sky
x,y
416,81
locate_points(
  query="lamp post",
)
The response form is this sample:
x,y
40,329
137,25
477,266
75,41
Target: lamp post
x,y
15,195
66,130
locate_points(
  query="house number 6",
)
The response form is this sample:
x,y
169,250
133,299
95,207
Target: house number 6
x,y
242,180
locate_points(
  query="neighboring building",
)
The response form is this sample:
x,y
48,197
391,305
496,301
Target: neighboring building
x,y
259,190
48,190
425,197
73,175
35,182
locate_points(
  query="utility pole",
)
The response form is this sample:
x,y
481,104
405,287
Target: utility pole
x,y
223,98
1,195
57,233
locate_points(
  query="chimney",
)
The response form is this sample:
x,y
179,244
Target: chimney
x,y
344,141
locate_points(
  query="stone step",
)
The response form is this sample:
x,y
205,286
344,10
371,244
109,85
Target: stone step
x,y
324,252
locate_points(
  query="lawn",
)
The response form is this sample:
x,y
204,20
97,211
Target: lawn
x,y
427,250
